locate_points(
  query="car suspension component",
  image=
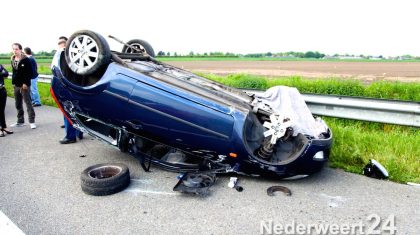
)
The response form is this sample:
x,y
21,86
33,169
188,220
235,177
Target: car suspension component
x,y
278,128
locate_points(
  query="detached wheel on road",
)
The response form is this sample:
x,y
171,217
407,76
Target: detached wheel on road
x,y
87,52
140,46
105,179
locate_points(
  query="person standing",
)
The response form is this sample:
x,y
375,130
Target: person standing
x,y
62,41
3,98
21,80
71,132
36,100
56,59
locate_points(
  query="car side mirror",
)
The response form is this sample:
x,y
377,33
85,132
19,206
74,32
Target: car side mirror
x,y
375,170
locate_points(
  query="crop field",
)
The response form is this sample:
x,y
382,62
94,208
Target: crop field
x,y
365,71
43,65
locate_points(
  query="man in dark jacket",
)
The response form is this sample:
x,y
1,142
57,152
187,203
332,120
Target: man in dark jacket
x,y
21,80
36,100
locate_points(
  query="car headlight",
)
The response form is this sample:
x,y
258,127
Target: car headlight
x,y
319,156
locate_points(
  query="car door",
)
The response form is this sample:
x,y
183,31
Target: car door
x,y
168,115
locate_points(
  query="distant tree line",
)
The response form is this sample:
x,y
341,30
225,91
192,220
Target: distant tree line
x,y
290,54
309,54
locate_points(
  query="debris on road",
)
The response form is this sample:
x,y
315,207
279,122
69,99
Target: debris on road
x,y
232,182
105,179
375,170
271,190
239,188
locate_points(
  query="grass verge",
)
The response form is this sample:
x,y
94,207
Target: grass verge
x,y
395,147
355,142
333,86
43,88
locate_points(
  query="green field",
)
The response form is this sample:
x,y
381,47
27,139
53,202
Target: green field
x,y
43,65
355,142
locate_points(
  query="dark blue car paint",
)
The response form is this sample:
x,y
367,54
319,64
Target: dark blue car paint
x,y
140,104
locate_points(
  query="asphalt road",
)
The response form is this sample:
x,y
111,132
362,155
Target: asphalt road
x,y
40,192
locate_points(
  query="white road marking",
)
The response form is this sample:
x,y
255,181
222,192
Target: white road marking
x,y
136,191
413,184
8,227
144,181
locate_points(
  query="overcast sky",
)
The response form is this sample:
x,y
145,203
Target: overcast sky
x,y
370,27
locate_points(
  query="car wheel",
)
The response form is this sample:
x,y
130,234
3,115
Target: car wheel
x,y
87,52
105,179
140,45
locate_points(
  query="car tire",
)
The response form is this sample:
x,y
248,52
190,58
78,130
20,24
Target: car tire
x,y
87,52
105,179
139,44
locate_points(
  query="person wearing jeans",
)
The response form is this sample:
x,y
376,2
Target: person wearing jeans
x,y
36,101
21,80
71,132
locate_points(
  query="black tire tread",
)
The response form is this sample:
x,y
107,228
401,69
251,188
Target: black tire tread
x,y
146,45
106,186
104,191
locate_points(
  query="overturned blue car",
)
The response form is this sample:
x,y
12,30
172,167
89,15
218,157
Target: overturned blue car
x,y
171,118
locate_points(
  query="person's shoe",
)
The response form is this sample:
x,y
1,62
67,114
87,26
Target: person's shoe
x,y
36,105
67,141
7,131
17,124
80,136
33,125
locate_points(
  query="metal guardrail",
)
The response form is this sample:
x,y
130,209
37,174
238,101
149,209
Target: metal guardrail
x,y
374,110
45,78
366,109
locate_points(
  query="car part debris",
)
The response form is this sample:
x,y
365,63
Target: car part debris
x,y
232,182
195,183
239,188
105,179
271,190
375,170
